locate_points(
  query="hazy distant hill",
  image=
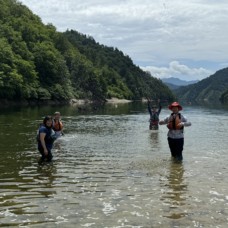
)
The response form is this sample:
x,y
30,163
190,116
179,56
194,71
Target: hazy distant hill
x,y
175,83
213,88
178,82
172,86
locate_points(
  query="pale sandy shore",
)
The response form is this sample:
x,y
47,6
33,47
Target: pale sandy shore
x,y
85,101
79,101
116,100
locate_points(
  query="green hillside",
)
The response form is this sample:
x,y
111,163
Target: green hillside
x,y
224,97
209,89
38,63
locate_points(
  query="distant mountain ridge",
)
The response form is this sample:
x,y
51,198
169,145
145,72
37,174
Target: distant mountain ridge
x,y
175,83
213,89
178,82
171,86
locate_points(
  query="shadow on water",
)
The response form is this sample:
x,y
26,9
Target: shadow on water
x,y
154,137
46,173
174,191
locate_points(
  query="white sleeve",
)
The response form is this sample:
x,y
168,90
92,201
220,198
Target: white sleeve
x,y
185,121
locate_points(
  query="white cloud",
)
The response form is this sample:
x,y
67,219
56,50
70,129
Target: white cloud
x,y
175,69
151,32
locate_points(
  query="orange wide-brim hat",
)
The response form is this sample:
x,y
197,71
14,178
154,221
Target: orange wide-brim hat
x,y
175,104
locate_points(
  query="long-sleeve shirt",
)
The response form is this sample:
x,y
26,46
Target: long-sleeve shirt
x,y
177,133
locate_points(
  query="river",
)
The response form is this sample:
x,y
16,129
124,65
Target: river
x,y
110,170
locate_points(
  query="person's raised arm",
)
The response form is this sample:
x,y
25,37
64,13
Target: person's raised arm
x,y
148,107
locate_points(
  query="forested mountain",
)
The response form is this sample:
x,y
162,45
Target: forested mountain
x,y
213,88
39,63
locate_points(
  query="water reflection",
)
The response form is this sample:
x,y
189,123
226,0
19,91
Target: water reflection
x,y
154,142
154,137
46,177
174,191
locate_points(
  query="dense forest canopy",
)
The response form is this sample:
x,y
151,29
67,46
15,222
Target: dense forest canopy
x,y
39,63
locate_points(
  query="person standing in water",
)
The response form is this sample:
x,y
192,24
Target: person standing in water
x,y
45,139
154,115
176,123
57,124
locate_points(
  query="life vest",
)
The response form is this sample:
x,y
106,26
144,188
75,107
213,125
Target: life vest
x,y
173,122
154,118
57,125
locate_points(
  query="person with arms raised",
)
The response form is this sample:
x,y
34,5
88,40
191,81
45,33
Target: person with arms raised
x,y
154,115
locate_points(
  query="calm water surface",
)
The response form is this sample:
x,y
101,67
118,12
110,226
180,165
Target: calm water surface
x,y
109,170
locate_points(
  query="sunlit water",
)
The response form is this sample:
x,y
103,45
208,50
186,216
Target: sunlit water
x,y
109,170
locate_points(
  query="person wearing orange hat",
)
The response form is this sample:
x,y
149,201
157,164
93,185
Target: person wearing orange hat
x,y
176,123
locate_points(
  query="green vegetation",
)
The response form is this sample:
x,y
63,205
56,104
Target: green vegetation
x,y
213,88
38,63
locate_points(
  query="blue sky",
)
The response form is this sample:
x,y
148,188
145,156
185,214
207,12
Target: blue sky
x,y
169,38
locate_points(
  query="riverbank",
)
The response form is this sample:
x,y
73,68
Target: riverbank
x,y
116,100
23,103
86,101
74,102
